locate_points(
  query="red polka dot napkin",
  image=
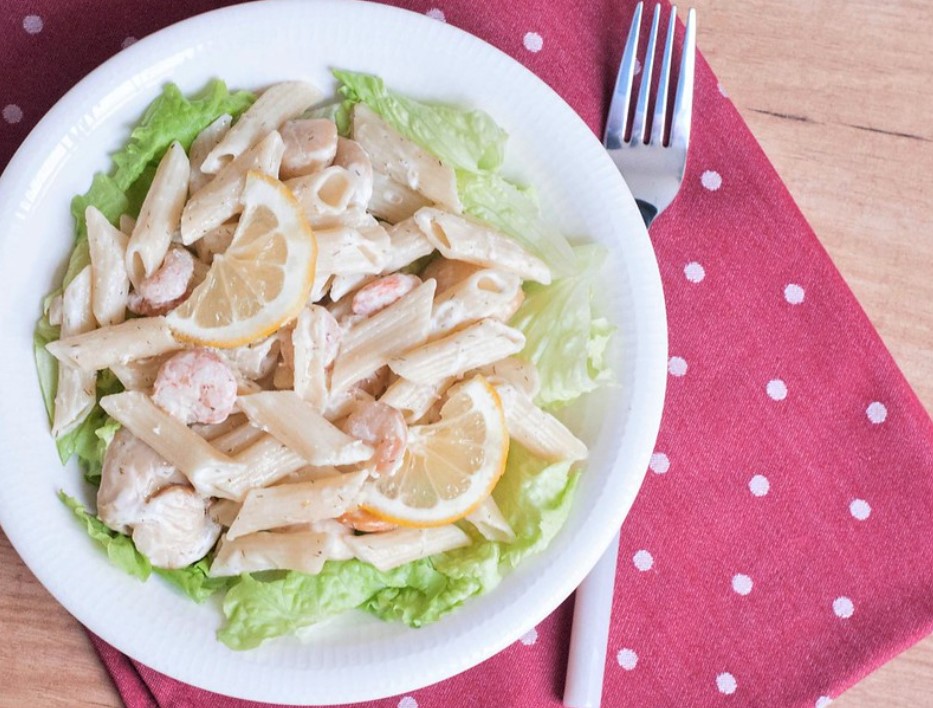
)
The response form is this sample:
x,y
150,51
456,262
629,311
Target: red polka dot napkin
x,y
780,547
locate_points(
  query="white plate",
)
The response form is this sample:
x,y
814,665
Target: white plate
x,y
357,657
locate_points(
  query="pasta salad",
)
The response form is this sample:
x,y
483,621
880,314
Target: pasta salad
x,y
313,349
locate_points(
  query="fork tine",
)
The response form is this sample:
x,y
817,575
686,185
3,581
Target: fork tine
x,y
659,121
644,92
621,97
683,102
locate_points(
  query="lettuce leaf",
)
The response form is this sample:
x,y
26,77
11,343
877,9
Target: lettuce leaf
x,y
119,548
464,139
534,497
90,439
194,580
563,337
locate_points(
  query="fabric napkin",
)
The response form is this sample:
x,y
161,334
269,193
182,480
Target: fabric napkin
x,y
780,547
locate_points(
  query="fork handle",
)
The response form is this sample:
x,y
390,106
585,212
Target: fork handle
x,y
648,211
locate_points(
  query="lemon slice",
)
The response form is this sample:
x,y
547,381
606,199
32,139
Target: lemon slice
x,y
263,278
450,466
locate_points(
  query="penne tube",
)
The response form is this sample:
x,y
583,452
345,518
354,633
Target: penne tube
x,y
219,200
212,431
406,245
403,160
345,283
118,344
393,202
479,344
352,157
300,503
215,241
519,373
391,549
127,224
462,239
261,463
206,141
344,249
194,457
139,374
315,341
305,552
110,281
485,293
159,216
296,424
414,400
224,511
448,273
277,104
238,439
541,433
489,521
372,342
324,195
308,473
77,389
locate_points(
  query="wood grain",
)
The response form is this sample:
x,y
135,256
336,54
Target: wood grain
x,y
838,95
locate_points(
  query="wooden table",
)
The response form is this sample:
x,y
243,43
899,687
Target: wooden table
x,y
838,94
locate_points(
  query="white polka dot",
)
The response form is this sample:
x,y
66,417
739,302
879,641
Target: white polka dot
x,y
822,702
877,412
643,560
529,637
436,14
32,24
128,42
659,463
12,113
711,179
722,90
794,294
725,682
677,366
759,485
533,42
637,67
742,584
860,509
408,702
843,607
694,272
627,659
777,389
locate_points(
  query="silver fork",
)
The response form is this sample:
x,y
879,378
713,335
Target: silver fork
x,y
653,170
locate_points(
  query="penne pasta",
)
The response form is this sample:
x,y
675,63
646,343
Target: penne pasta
x,y
212,431
406,245
446,272
159,216
238,438
462,239
127,224
315,340
324,195
296,424
219,200
300,503
391,549
344,250
110,282
277,104
224,511
261,463
206,141
77,389
371,343
139,374
118,344
403,160
194,457
541,433
489,521
215,241
517,372
352,157
310,146
414,400
479,344
484,293
393,202
305,552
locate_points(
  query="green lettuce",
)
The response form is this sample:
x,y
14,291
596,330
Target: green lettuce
x,y
534,497
464,139
563,337
194,580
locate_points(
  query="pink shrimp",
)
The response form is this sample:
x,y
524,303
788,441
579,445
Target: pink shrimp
x,y
362,520
167,287
381,293
384,428
196,386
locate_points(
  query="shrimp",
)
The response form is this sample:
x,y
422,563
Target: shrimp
x,y
381,293
310,145
384,428
167,287
196,386
361,520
